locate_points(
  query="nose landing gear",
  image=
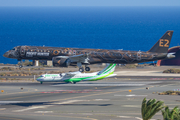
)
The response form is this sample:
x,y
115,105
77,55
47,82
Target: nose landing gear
x,y
73,82
20,66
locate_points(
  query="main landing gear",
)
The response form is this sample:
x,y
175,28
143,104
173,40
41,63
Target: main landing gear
x,y
87,68
81,69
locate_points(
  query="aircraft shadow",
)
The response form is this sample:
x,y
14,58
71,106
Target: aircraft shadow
x,y
51,103
82,104
30,104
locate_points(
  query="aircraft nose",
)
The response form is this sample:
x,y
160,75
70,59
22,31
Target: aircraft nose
x,y
6,54
39,79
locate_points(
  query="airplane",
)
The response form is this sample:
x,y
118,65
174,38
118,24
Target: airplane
x,y
73,77
64,57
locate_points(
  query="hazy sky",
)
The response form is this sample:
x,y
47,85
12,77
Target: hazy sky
x,y
89,2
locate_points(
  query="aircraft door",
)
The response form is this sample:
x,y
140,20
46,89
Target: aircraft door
x,y
22,50
70,52
74,52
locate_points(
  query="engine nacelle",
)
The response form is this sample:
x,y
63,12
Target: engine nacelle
x,y
60,62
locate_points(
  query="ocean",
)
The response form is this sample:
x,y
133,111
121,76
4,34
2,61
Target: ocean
x,y
127,28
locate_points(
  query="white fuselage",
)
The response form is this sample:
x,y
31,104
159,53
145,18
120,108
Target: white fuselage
x,y
64,76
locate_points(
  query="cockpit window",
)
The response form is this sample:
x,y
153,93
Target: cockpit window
x,y
42,76
13,49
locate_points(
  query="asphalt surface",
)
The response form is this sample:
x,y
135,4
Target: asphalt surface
x,y
108,99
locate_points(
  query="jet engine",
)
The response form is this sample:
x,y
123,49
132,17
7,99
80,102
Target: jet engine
x,y
60,62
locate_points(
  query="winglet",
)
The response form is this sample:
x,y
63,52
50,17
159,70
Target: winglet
x,y
163,43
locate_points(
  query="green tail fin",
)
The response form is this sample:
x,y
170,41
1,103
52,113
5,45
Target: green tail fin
x,y
108,69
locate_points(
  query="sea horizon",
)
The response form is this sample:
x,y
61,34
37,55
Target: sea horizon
x,y
128,27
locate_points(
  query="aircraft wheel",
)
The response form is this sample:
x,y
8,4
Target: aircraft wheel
x,y
87,68
41,82
20,66
81,69
73,82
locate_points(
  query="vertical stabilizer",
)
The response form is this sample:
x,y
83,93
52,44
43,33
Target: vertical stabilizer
x,y
163,43
108,69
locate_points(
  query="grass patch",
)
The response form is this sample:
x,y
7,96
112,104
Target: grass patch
x,y
177,71
170,92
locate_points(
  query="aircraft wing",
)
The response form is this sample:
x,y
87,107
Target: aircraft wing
x,y
73,73
77,58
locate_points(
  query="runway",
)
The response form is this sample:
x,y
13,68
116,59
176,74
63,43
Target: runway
x,y
108,99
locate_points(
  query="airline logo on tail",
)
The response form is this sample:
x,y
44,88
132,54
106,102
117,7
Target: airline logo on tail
x,y
109,69
163,43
